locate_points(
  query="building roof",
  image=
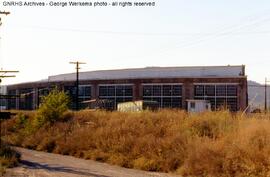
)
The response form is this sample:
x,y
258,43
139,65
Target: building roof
x,y
156,72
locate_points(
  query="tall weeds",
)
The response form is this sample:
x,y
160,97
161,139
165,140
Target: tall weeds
x,y
204,144
8,158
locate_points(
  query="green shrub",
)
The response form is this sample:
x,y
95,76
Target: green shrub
x,y
52,108
21,120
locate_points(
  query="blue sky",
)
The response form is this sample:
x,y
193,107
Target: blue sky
x,y
42,41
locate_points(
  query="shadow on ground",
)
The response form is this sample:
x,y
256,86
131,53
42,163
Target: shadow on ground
x,y
35,165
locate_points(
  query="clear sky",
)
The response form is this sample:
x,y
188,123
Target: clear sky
x,y
41,41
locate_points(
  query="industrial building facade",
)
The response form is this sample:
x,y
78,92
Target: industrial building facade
x,y
170,87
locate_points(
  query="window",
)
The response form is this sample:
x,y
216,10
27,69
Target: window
x,y
192,105
221,90
219,95
176,102
84,91
157,90
232,104
26,99
167,90
232,90
111,91
167,102
199,90
84,95
3,103
176,90
116,93
209,90
44,91
102,91
120,90
167,95
221,102
212,101
128,91
12,99
147,90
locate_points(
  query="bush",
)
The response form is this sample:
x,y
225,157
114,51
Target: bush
x,y
21,120
52,108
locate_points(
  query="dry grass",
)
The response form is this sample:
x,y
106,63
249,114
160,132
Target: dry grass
x,y
8,158
205,144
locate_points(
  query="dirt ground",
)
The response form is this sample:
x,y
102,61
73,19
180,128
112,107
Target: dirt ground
x,y
41,164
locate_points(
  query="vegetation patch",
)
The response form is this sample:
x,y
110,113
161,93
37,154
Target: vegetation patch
x,y
204,144
8,158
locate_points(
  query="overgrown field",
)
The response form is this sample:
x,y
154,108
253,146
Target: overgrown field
x,y
8,158
205,144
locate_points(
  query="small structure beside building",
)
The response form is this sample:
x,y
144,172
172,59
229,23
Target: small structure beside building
x,y
136,106
99,104
198,105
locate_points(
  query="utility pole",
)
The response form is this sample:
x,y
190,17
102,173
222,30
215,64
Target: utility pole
x,y
3,72
265,96
4,76
77,63
3,13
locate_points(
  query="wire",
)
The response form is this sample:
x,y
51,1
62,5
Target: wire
x,y
211,37
225,31
138,33
224,27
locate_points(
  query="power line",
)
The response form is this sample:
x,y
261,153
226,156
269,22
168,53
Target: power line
x,y
223,32
195,34
249,18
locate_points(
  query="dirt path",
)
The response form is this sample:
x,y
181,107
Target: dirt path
x,y
41,164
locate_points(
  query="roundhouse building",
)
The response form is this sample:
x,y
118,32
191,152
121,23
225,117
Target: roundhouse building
x,y
169,86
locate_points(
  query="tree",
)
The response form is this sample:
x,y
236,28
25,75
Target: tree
x,y
52,108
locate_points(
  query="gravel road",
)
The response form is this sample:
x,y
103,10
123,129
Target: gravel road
x,y
41,164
